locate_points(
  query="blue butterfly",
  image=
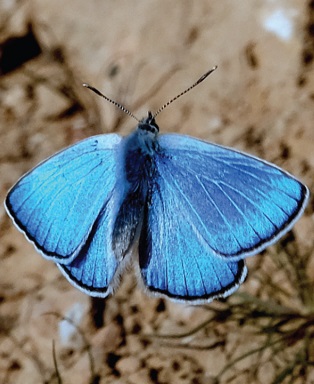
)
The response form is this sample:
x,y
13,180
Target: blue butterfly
x,y
193,209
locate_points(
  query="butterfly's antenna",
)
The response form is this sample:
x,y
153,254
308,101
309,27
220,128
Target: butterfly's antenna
x,y
111,101
186,91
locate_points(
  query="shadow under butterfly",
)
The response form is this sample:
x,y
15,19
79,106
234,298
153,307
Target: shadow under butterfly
x,y
194,210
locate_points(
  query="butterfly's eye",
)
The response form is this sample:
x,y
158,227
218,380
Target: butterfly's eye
x,y
149,128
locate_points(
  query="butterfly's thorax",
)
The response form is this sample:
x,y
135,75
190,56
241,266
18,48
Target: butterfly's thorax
x,y
139,151
138,169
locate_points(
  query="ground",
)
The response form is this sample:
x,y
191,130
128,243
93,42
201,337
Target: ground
x,y
141,54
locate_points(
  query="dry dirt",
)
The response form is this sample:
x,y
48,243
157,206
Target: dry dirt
x,y
141,53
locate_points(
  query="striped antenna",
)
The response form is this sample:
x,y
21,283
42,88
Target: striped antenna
x,y
123,109
186,91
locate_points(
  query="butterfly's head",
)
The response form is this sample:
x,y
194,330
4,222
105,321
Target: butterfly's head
x,y
146,133
148,124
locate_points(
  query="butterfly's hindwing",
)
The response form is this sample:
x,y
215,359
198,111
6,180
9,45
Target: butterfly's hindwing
x,y
94,268
174,259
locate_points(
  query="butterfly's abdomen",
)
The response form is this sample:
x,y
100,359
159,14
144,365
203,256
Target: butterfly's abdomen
x,y
137,171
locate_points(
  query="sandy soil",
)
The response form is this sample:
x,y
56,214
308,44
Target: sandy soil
x,y
142,53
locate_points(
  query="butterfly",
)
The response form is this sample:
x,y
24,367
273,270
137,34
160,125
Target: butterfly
x,y
193,210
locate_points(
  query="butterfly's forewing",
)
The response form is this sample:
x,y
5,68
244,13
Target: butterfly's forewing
x,y
57,204
240,204
208,207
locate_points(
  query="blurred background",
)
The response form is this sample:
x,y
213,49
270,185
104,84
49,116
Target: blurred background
x,y
142,53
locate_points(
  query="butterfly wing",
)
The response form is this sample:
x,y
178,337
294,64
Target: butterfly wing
x,y
94,268
174,260
66,206
241,203
209,207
